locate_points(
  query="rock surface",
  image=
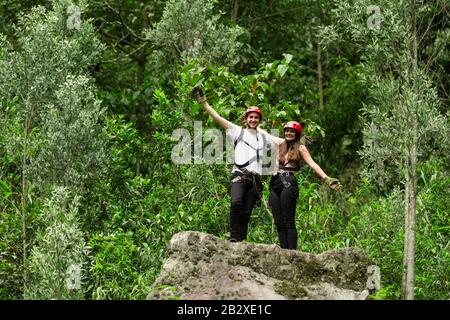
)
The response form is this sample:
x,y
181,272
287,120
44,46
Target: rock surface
x,y
202,266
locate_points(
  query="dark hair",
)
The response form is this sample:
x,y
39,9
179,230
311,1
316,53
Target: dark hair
x,y
292,149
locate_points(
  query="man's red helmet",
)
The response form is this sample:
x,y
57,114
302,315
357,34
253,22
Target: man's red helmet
x,y
294,125
253,109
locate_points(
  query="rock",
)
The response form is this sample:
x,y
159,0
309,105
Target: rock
x,y
202,266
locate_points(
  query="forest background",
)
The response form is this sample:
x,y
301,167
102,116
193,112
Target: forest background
x,y
92,91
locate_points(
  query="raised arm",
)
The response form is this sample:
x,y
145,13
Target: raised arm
x,y
224,123
333,183
311,163
197,94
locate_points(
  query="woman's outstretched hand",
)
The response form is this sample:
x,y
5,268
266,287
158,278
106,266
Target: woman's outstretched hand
x,y
333,183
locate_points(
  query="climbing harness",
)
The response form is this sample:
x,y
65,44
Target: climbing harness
x,y
283,175
255,158
250,177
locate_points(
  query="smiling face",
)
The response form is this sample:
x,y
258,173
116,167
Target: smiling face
x,y
252,120
289,134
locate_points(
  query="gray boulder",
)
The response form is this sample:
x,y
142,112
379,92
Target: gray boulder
x,y
202,266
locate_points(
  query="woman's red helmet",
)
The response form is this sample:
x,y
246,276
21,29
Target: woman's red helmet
x,y
294,125
253,109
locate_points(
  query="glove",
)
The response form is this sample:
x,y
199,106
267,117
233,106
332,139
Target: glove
x,y
333,183
197,94
306,140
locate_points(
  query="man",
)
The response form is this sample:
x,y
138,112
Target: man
x,y
250,144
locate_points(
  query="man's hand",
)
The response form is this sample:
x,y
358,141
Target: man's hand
x,y
306,140
197,94
333,183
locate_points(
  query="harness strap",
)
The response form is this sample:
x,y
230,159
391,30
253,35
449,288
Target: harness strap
x,y
241,134
240,138
250,177
285,168
255,158
251,160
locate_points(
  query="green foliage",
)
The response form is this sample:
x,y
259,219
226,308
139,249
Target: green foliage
x,y
129,69
191,30
433,241
387,144
50,135
343,132
113,146
114,268
403,109
72,147
10,10
230,94
47,54
385,293
57,260
171,289
125,255
126,148
9,142
403,125
10,250
376,225
46,77
128,57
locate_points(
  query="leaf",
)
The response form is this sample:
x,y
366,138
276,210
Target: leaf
x,y
288,57
281,114
199,82
282,68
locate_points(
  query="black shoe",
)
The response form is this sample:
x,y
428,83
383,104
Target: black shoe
x,y
233,240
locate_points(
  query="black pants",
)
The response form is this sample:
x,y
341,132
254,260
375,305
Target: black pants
x,y
244,195
282,201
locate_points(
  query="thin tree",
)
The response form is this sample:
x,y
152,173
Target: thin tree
x,y
402,123
45,78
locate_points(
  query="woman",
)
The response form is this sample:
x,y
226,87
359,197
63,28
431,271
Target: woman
x,y
246,185
283,185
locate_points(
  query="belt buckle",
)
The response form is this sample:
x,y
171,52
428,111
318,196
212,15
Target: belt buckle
x,y
286,184
236,179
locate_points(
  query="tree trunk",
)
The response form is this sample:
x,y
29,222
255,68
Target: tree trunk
x,y
235,10
410,227
142,119
319,76
405,240
411,187
23,201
